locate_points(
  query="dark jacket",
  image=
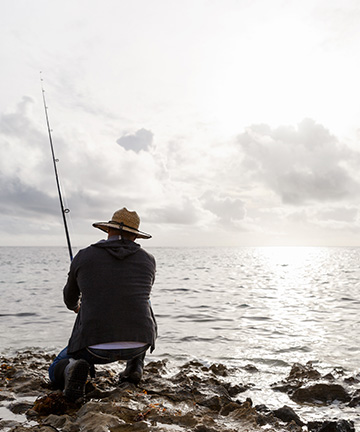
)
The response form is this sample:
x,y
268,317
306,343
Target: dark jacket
x,y
113,281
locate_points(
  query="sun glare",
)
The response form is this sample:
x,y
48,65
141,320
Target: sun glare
x,y
293,266
285,256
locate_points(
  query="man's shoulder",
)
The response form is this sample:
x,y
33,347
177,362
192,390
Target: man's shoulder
x,y
84,252
146,254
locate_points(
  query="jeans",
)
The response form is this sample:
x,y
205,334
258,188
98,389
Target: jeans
x,y
96,356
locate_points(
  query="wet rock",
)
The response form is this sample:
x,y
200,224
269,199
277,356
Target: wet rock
x,y
214,403
355,399
298,376
288,415
331,426
244,409
329,377
20,407
157,367
63,422
219,369
7,424
262,409
352,380
203,428
98,422
228,408
251,368
6,396
321,393
191,397
300,372
234,390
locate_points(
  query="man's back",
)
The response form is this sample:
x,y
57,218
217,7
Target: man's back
x,y
115,278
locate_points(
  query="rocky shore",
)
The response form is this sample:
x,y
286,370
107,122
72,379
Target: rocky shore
x,y
190,397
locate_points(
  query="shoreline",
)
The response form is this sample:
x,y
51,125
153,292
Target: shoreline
x,y
188,397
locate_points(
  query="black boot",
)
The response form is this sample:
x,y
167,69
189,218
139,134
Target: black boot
x,y
75,377
133,371
59,373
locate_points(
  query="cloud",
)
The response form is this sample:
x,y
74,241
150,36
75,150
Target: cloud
x,y
25,154
302,165
227,209
193,187
19,199
96,177
140,140
184,212
338,214
13,123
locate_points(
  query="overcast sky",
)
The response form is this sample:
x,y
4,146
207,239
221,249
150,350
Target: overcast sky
x,y
221,122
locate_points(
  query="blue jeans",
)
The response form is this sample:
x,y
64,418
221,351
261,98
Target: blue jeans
x,y
96,356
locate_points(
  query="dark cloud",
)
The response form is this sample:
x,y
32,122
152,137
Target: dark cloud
x,y
302,165
140,140
226,208
23,200
299,186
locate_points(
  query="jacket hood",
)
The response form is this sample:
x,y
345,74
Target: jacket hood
x,y
119,249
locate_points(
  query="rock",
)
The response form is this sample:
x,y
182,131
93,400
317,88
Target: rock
x,y
355,399
234,390
263,409
20,407
7,396
331,426
321,393
288,415
58,421
203,428
214,403
298,375
219,369
7,424
352,380
194,397
301,372
228,408
98,422
251,368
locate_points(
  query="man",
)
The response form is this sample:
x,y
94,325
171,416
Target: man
x,y
108,286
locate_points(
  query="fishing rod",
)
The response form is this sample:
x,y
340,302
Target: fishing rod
x,y
64,210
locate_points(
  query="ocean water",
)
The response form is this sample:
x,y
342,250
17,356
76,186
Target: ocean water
x,y
267,307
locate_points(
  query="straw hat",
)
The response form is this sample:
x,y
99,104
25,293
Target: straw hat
x,y
123,219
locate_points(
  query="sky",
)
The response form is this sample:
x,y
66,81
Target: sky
x,y
221,122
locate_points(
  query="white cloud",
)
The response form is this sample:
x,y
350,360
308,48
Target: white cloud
x,y
302,165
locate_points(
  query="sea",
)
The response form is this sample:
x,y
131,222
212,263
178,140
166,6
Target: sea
x,y
266,308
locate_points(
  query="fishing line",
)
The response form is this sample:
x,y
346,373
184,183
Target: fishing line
x,y
64,210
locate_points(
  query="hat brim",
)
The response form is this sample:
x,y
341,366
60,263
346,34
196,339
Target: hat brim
x,y
105,226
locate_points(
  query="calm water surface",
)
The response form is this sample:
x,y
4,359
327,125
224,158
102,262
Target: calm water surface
x,y
269,307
